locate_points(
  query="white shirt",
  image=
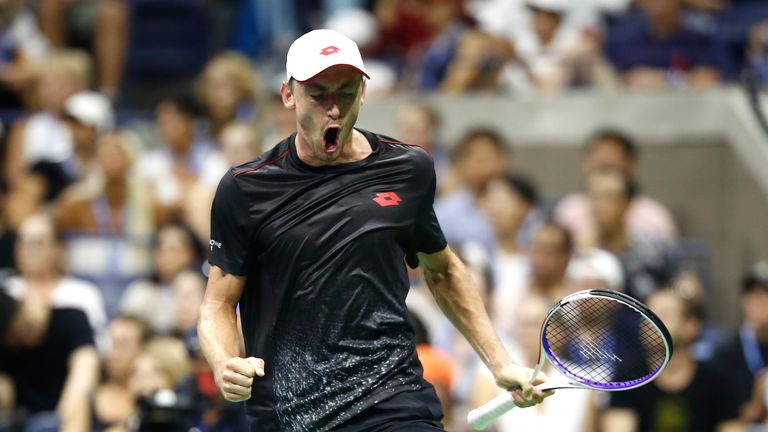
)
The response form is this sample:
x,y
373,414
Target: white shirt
x,y
565,411
512,20
152,302
512,273
75,294
46,138
157,167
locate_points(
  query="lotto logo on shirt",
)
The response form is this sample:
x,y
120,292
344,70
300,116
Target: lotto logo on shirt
x,y
215,243
387,199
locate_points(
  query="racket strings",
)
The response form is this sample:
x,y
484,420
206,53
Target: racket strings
x,y
582,340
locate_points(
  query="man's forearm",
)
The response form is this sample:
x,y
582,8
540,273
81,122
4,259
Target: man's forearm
x,y
457,295
219,336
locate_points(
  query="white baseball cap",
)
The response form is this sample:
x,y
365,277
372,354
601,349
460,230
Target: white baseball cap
x,y
318,50
557,6
91,109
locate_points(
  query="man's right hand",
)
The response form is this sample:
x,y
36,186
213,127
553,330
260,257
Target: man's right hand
x,y
236,379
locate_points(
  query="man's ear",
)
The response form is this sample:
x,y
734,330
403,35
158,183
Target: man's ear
x,y
287,94
362,92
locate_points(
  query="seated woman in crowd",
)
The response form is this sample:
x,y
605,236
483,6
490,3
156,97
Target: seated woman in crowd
x,y
175,250
40,262
114,216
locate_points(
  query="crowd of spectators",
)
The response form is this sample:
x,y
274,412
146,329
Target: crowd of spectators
x,y
112,144
141,50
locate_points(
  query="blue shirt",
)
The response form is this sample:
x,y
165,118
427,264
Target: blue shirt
x,y
631,44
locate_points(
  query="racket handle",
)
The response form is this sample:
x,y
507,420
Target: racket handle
x,y
479,418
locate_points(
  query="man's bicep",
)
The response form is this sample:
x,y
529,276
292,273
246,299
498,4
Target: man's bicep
x,y
223,287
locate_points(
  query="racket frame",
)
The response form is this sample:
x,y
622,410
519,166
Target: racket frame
x,y
574,381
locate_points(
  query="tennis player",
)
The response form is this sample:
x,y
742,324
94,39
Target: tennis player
x,y
310,240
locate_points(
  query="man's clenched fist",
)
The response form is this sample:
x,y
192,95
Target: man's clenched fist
x,y
237,377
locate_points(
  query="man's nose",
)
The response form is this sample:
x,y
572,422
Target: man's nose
x,y
333,109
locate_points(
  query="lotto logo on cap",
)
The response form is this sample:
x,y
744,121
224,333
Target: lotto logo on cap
x,y
318,50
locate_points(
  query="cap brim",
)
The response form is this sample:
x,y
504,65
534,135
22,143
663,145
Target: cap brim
x,y
302,78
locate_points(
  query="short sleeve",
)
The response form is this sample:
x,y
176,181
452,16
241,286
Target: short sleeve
x,y
78,330
426,235
228,247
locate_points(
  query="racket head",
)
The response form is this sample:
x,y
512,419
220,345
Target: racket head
x,y
580,338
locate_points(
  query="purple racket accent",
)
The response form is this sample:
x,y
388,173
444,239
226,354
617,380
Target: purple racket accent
x,y
582,340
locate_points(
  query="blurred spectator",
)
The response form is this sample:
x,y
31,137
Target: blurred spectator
x,y
420,124
550,254
44,136
281,123
459,57
743,356
112,404
113,408
656,48
648,261
510,204
189,287
48,353
113,215
163,365
88,116
264,28
594,269
24,198
239,143
479,156
565,412
502,16
687,396
551,50
22,49
754,413
175,249
707,5
7,232
403,30
757,52
229,91
186,168
184,157
161,383
360,25
127,336
101,26
39,256
613,150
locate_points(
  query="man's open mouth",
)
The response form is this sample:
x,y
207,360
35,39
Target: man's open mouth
x,y
331,138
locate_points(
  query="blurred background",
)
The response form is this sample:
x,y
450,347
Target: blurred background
x,y
578,144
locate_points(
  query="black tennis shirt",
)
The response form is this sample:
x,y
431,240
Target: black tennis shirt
x,y
323,251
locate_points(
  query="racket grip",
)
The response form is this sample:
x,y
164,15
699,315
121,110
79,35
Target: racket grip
x,y
479,418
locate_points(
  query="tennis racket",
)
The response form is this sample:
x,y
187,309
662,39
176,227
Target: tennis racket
x,y
600,340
